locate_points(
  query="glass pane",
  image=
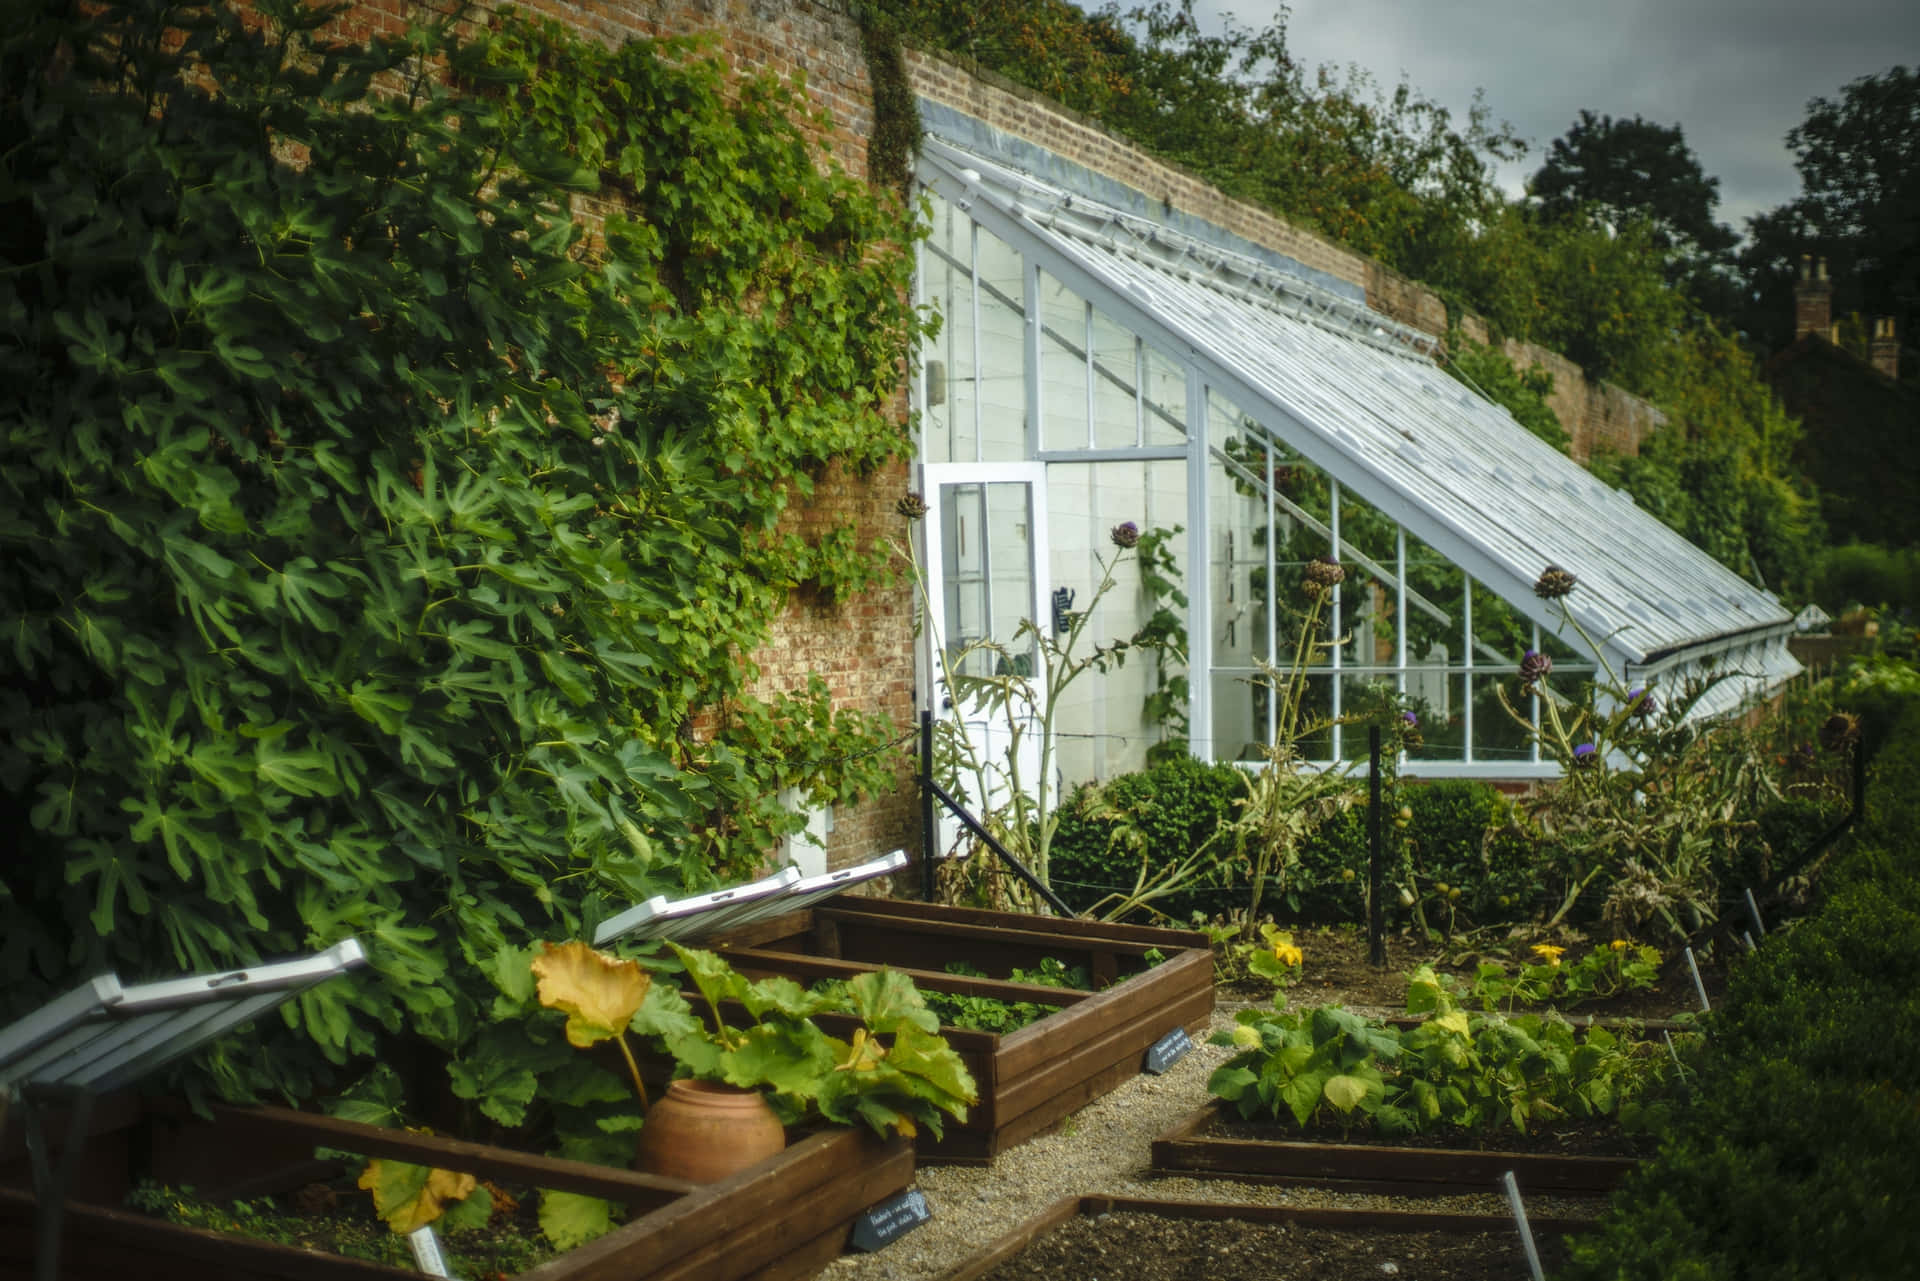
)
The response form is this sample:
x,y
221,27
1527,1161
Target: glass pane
x,y
1107,723
1116,407
1316,709
1001,357
987,563
1237,537
1369,598
1064,370
1501,633
1302,531
946,283
1239,717
1436,637
1560,651
1497,736
1435,697
1164,382
1364,696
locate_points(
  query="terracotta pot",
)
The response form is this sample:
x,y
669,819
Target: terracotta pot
x,y
702,1131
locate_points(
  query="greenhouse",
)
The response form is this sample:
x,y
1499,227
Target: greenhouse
x,y
1099,364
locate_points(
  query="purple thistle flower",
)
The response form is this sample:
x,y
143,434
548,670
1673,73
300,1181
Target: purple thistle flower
x,y
1641,703
1586,754
1534,665
1413,722
1324,573
1124,535
1554,583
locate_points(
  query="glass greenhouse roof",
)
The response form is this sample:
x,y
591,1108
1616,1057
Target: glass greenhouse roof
x,y
1361,396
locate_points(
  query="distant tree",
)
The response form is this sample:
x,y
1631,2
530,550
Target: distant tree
x,y
1636,171
1859,208
1633,169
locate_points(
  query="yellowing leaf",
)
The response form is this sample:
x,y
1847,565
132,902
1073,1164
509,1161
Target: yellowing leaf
x,y
864,1054
409,1197
598,994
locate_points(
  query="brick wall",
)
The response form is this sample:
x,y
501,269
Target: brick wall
x,y
1597,415
862,648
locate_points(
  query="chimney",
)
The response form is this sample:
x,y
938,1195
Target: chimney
x,y
1813,299
1884,351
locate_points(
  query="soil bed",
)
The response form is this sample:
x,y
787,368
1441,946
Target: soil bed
x,y
1335,971
332,1216
1137,1246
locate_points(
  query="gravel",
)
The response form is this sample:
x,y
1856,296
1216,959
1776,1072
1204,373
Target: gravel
x,y
1104,1148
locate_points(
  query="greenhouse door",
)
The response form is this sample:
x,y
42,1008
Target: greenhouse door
x,y
986,575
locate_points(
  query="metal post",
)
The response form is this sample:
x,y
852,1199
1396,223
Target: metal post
x,y
1706,1006
1512,1186
1376,910
1005,855
929,824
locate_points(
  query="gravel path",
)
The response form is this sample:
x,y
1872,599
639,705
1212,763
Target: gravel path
x,y
1103,1148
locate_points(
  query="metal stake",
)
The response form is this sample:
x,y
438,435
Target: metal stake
x,y
1706,1007
1376,910
1526,1233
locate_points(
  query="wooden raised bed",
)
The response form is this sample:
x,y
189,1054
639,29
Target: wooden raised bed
x,y
1034,1077
1068,1208
781,1220
1185,1148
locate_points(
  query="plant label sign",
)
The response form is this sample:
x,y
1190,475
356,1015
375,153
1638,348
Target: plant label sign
x,y
893,1218
1168,1050
426,1252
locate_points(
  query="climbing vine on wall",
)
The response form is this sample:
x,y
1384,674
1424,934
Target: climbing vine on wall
x,y
383,550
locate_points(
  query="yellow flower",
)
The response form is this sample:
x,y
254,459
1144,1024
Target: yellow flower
x,y
1548,952
1620,945
1287,954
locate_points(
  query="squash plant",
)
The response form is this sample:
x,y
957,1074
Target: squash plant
x,y
1454,1071
527,1074
381,553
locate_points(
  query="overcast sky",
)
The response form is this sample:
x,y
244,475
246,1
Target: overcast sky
x,y
1735,75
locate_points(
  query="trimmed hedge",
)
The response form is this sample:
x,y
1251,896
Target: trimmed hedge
x,y
1458,835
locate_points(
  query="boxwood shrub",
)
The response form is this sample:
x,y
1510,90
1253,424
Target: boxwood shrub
x,y
1459,834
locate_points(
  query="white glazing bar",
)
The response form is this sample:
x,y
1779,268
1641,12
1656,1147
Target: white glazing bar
x,y
1400,606
1273,587
1139,392
1086,346
1333,610
1466,710
1030,278
1199,572
1400,618
1533,711
973,368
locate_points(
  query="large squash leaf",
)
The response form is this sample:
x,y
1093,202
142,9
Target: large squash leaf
x,y
598,994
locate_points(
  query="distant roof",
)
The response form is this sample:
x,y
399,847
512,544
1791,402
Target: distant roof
x,y
1360,395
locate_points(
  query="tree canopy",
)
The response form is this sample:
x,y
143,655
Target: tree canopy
x,y
1633,169
1859,208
